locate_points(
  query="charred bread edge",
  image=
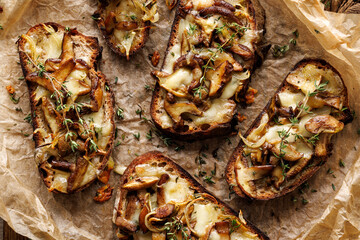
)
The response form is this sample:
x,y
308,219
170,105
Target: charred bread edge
x,y
214,130
308,172
95,58
160,157
101,25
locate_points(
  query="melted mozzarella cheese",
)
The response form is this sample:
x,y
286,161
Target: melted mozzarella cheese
x,y
306,149
125,39
73,84
102,123
237,80
198,5
309,76
205,216
220,111
272,134
289,99
90,174
60,181
177,82
258,132
41,92
166,121
248,38
146,170
176,189
214,236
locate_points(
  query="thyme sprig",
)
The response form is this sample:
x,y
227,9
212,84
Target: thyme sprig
x,y
220,48
58,95
175,226
285,134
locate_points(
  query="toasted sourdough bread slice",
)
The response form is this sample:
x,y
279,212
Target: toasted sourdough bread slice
x,y
160,200
290,139
125,24
210,55
71,106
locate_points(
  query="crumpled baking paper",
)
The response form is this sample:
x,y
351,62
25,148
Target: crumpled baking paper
x,y
327,207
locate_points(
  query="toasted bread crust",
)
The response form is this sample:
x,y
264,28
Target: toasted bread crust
x,y
99,18
155,156
36,112
307,173
214,129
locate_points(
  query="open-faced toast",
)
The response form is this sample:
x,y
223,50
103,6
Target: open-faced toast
x,y
71,105
290,139
211,53
125,24
160,200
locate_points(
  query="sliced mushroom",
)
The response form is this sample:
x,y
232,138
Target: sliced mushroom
x,y
221,3
52,64
219,77
220,10
324,124
223,229
290,152
278,176
96,94
55,79
160,196
160,193
194,63
207,29
255,172
297,167
163,179
126,25
224,56
77,175
164,210
63,165
132,206
159,74
110,22
144,211
273,160
53,119
63,72
331,100
67,49
287,112
81,130
140,183
321,147
176,109
125,224
242,50
67,53
63,145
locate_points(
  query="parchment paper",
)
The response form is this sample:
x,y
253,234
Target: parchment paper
x,y
331,212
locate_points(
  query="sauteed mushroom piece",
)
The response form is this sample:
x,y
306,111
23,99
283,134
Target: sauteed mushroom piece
x,y
176,109
324,124
164,210
290,152
219,77
140,183
125,224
